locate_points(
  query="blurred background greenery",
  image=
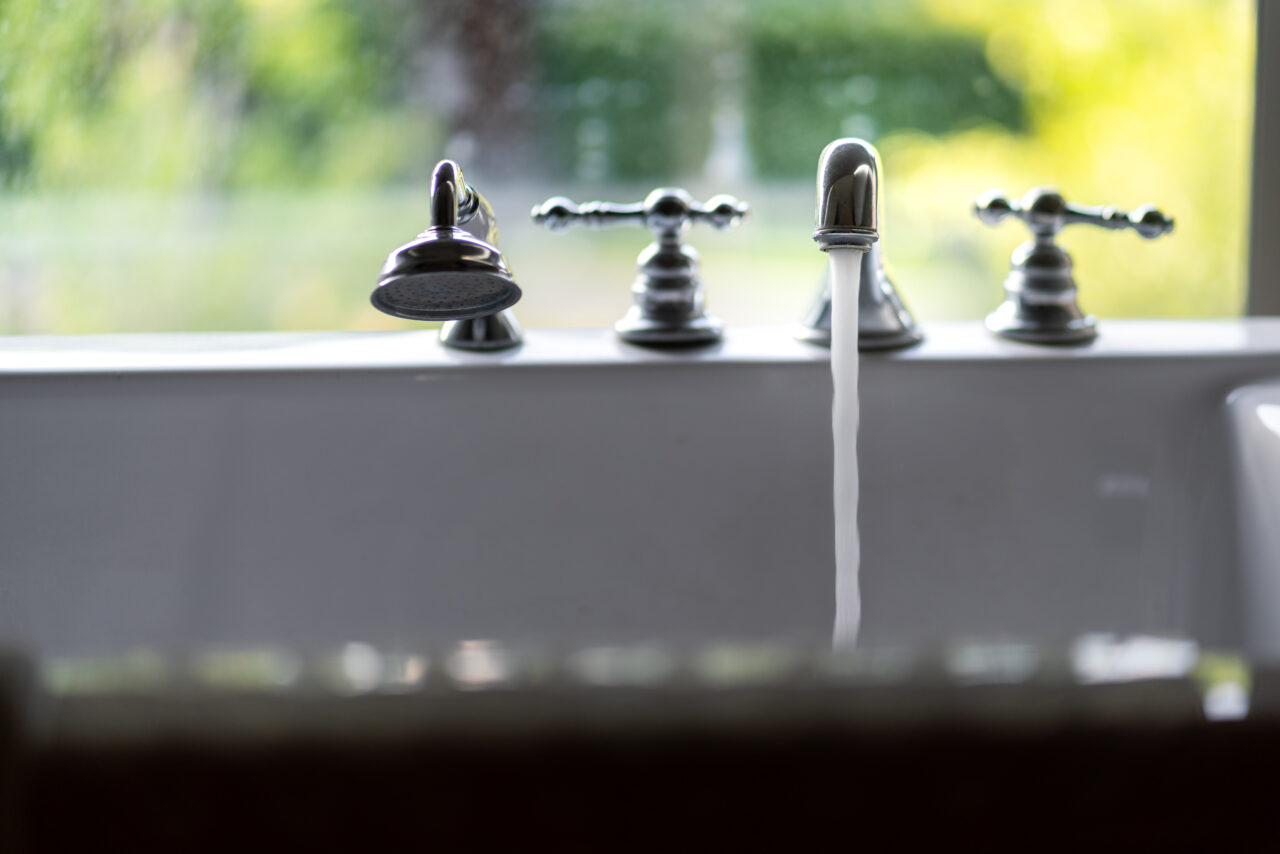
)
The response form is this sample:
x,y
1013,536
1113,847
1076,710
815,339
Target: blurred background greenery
x,y
247,164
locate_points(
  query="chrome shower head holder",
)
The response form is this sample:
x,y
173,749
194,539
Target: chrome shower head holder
x,y
454,274
884,323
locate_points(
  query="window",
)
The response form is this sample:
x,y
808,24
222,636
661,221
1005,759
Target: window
x,y
247,164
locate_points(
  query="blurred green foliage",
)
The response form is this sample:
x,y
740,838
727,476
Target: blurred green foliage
x,y
162,162
253,93
180,94
818,71
625,90
1133,102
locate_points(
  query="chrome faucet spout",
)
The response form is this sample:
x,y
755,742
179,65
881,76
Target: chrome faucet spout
x,y
847,196
848,217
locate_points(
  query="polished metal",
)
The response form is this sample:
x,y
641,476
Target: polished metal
x,y
668,292
848,176
848,205
454,271
1041,305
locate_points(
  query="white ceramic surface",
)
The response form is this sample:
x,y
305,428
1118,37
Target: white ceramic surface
x,y
1254,413
309,489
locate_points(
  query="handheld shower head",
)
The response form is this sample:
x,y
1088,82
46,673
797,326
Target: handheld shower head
x,y
447,273
450,276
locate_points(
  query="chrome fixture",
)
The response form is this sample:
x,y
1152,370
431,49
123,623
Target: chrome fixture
x,y
668,293
453,273
1040,305
884,323
848,208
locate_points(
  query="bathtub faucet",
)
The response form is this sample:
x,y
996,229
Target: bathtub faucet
x,y
848,183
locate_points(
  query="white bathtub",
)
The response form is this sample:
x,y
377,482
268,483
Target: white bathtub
x,y
309,489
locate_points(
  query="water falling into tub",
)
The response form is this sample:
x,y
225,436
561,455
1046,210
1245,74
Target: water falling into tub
x,y
846,265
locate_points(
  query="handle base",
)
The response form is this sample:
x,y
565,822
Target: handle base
x,y
1058,325
637,327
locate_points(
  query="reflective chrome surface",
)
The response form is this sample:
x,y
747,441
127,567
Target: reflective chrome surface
x,y
451,273
884,323
668,292
1040,305
491,332
848,208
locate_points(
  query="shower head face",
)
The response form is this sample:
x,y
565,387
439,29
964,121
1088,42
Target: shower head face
x,y
446,274
445,295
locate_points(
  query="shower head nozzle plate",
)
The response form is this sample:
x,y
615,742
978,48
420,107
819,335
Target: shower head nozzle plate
x,y
445,275
446,295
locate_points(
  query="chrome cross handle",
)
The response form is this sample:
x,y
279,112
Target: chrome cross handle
x,y
666,211
1040,305
1046,213
668,293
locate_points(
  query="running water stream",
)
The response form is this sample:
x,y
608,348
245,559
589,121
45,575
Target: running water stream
x,y
846,266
